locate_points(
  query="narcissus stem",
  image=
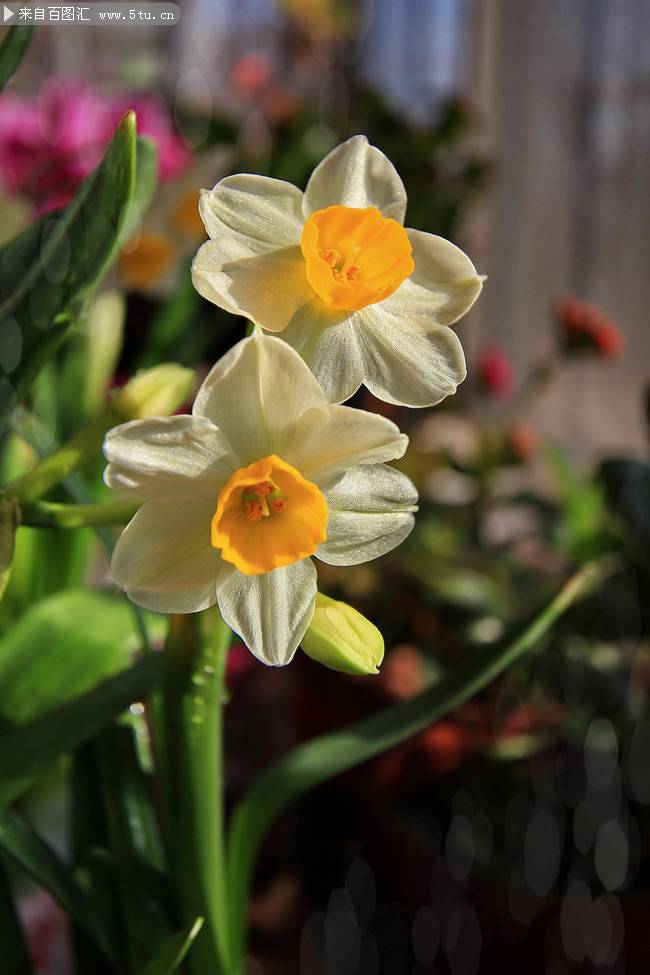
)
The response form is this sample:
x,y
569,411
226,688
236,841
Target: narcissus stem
x,y
320,759
84,445
192,769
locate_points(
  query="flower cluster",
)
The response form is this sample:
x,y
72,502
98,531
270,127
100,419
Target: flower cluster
x,y
270,471
49,145
334,271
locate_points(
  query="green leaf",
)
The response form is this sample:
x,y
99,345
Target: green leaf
x,y
56,261
94,867
27,749
8,523
62,647
326,756
172,951
13,51
90,362
135,845
169,332
627,484
14,950
26,848
582,507
146,180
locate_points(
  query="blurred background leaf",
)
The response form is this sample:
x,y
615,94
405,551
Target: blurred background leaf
x,y
62,647
12,51
57,260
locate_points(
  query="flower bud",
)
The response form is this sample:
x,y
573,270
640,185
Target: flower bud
x,y
340,638
584,328
522,441
154,392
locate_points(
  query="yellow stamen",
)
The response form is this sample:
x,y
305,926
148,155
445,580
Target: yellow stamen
x,y
331,257
268,516
253,510
350,258
354,257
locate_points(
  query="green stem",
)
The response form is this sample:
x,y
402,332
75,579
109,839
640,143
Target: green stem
x,y
14,950
55,468
326,756
193,698
54,514
540,376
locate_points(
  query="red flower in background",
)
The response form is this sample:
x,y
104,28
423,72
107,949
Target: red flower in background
x,y
250,74
496,372
49,145
584,328
403,672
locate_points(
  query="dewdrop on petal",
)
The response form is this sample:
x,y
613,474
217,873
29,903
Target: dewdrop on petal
x,y
341,638
154,392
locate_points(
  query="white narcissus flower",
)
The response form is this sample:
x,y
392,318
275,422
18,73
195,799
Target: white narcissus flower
x,y
333,270
238,496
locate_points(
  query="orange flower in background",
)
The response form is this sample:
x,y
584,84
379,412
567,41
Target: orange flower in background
x,y
146,260
185,217
321,19
584,328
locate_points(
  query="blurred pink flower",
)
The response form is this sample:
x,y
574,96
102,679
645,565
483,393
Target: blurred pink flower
x,y
240,661
49,145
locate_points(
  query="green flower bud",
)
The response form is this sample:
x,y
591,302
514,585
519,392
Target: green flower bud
x,y
341,638
154,392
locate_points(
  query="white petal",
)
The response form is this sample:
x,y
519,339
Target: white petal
x,y
167,458
411,356
270,611
164,560
268,288
253,265
356,174
408,360
260,211
256,393
326,341
444,284
370,513
330,440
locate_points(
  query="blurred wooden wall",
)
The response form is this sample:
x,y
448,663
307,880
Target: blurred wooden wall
x,y
562,89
